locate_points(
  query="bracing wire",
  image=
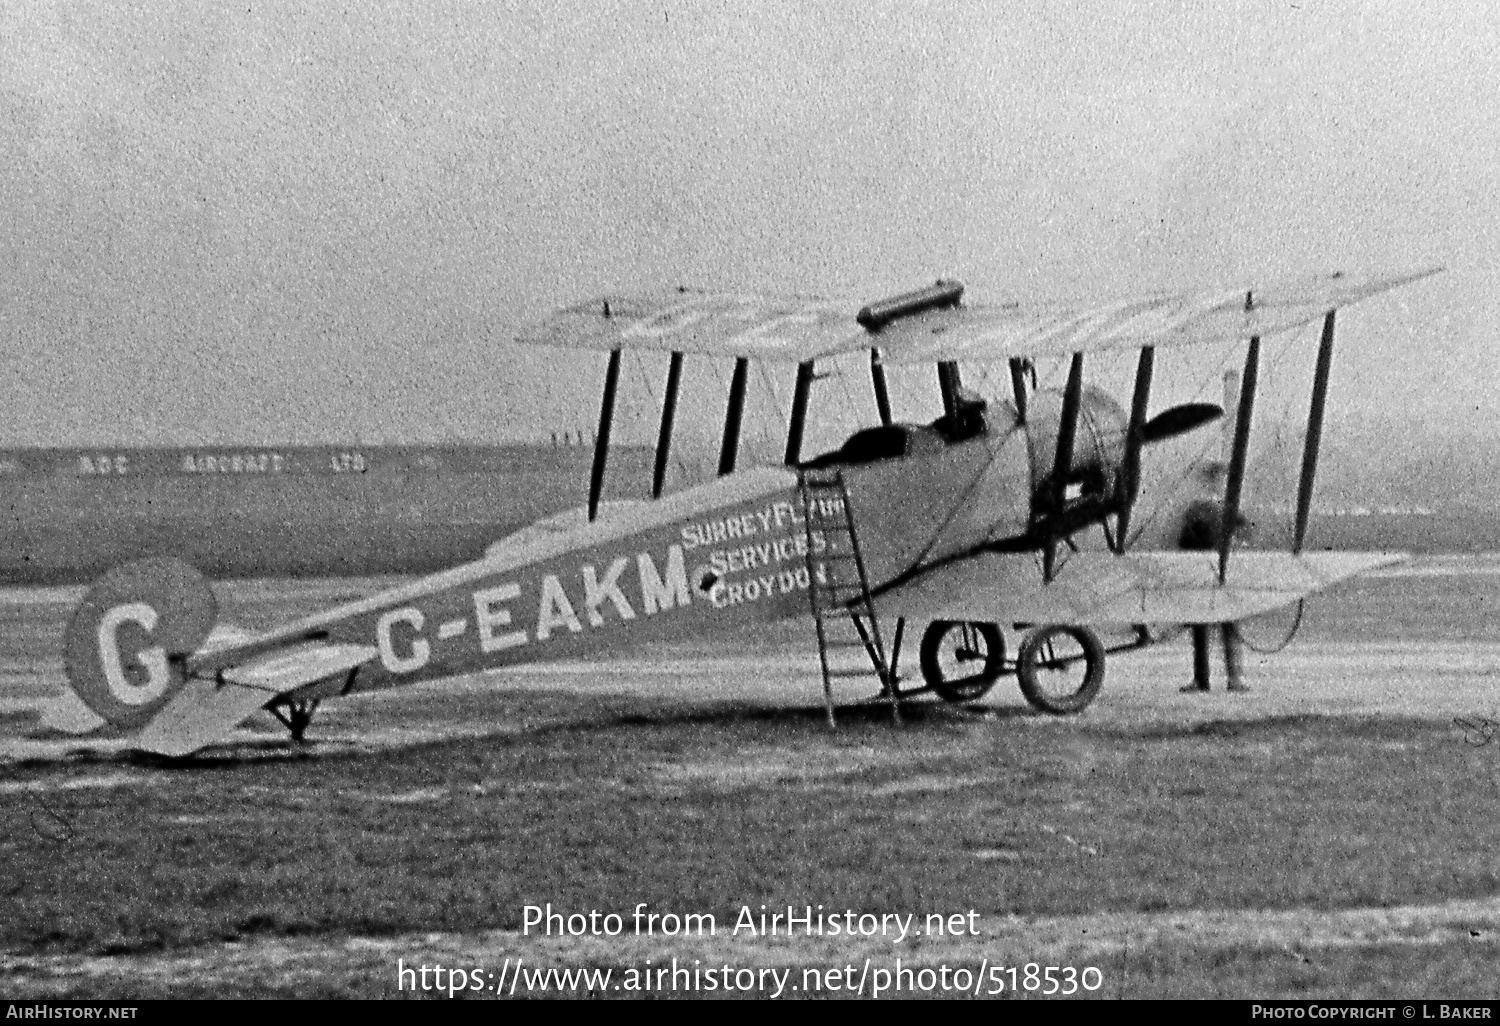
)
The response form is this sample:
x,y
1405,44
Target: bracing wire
x,y
638,413
676,457
783,411
1284,642
722,371
1178,481
651,403
851,405
1271,373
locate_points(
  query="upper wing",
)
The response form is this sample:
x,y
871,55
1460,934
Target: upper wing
x,y
1136,588
798,329
713,324
987,334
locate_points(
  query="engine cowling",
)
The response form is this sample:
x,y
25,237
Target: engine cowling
x,y
1094,475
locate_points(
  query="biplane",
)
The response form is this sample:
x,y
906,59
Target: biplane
x,y
962,525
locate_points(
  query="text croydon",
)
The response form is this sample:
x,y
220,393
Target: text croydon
x,y
807,921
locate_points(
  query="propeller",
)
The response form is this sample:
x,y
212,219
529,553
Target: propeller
x,y
1179,420
1169,423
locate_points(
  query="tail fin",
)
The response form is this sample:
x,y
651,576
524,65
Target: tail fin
x,y
121,641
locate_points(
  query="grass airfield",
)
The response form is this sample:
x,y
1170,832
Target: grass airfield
x,y
1333,833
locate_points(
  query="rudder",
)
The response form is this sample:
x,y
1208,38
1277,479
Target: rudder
x,y
120,641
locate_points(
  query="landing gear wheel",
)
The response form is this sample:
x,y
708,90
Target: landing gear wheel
x,y
961,659
1048,668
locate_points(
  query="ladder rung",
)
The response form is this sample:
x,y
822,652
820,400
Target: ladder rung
x,y
844,594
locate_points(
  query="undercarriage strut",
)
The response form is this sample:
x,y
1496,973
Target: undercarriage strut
x,y
295,716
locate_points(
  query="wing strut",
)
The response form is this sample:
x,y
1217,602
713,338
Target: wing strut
x,y
1230,515
668,414
799,413
730,450
875,317
601,440
1130,473
882,395
949,383
1314,432
1062,467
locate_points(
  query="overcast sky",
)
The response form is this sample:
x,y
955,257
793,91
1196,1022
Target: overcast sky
x,y
253,223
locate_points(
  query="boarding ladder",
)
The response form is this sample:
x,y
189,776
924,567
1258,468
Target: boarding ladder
x,y
839,588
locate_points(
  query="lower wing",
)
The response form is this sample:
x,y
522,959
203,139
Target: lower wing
x,y
1136,588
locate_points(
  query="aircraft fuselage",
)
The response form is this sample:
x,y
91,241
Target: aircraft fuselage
x,y
723,556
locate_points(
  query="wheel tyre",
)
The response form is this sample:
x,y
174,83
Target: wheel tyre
x,y
970,689
1031,655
